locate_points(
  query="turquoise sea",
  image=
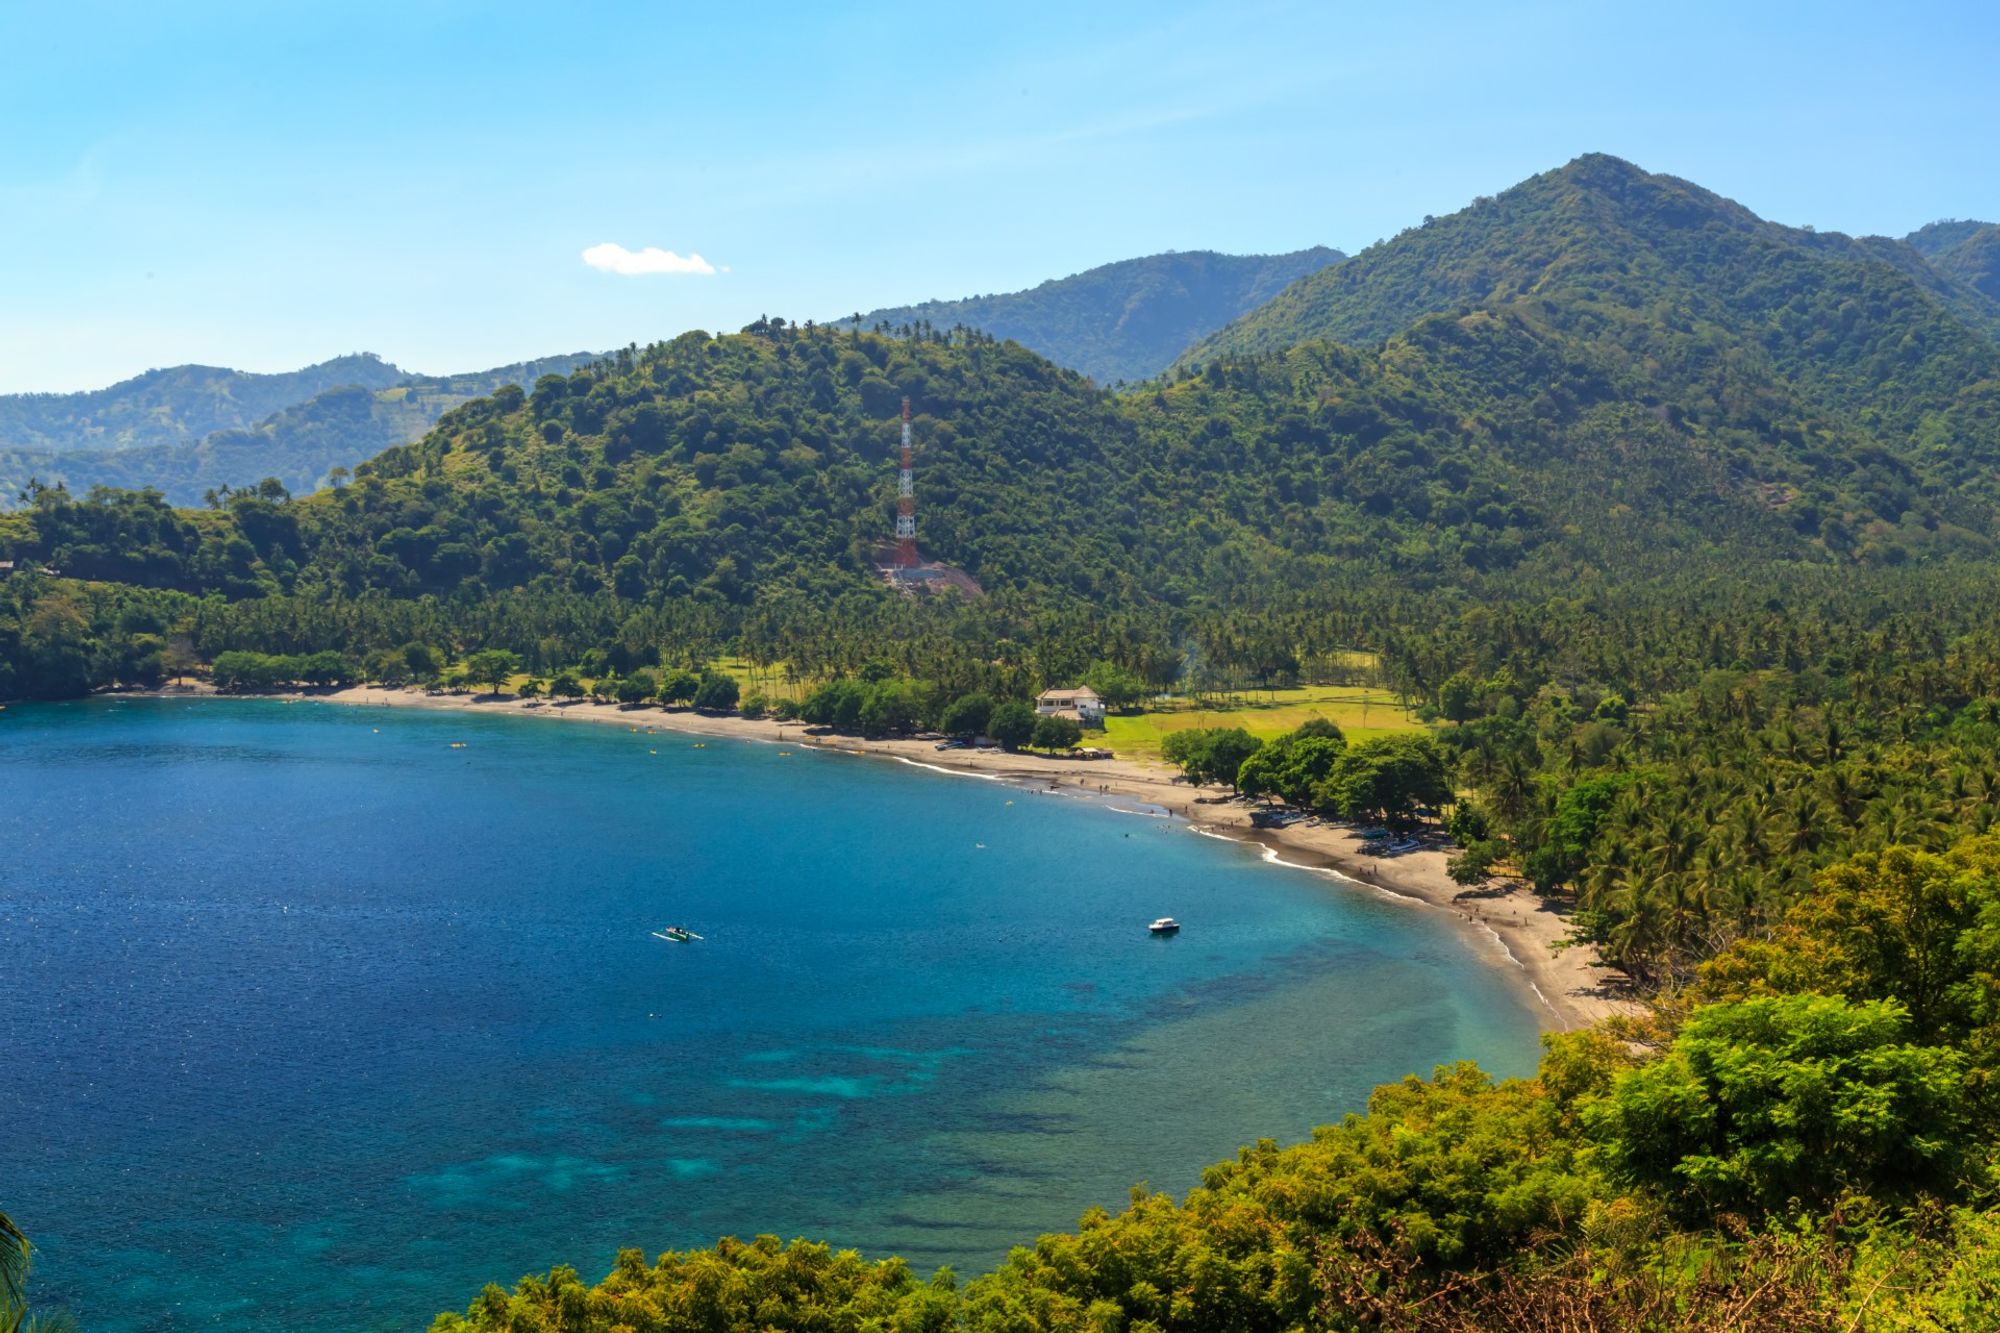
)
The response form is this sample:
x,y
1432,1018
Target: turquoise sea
x,y
308,1019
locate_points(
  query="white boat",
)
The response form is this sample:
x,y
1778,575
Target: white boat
x,y
1166,925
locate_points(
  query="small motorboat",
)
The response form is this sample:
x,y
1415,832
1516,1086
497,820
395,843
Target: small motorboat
x,y
1166,925
675,935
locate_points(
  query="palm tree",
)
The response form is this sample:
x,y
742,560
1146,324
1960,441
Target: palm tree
x,y
1743,832
16,1255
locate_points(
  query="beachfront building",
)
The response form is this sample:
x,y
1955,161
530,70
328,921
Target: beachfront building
x,y
1082,706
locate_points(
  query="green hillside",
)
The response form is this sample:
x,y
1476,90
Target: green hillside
x,y
1495,437
1125,321
1937,238
174,406
1968,252
298,444
1816,344
1594,371
757,463
1601,232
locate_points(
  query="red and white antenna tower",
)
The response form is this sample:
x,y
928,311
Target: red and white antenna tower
x,y
906,503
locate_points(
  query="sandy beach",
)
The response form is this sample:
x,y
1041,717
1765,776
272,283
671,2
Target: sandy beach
x,y
1521,933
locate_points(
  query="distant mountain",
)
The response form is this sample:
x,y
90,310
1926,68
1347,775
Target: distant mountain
x,y
1604,233
1966,251
1712,304
298,443
1600,372
1123,321
176,405
1937,238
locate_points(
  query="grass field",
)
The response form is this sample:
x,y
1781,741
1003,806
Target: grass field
x,y
1358,711
769,681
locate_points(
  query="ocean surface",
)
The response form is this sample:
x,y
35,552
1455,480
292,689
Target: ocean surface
x,y
310,1019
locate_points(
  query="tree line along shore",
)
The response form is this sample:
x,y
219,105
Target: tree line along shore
x,y
1530,936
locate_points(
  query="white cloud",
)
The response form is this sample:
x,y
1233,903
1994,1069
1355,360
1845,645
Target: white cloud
x,y
611,257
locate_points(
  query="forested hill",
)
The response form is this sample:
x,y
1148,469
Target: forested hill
x,y
176,405
1966,251
711,466
1946,234
1627,370
299,443
1843,357
1596,371
1601,233
731,468
1124,321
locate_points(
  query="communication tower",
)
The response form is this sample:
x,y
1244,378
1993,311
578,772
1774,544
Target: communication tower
x,y
906,503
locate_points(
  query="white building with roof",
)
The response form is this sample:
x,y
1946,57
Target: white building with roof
x,y
1081,704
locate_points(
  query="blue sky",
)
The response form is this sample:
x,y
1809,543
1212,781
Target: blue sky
x,y
269,184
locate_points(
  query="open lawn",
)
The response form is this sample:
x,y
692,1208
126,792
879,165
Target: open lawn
x,y
1358,711
767,681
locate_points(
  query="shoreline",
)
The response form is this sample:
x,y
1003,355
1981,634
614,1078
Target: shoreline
x,y
1569,986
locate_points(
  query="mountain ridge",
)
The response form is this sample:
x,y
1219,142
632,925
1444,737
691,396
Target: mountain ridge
x,y
1966,251
1861,336
1600,368
299,443
1125,320
1936,238
175,404
1557,231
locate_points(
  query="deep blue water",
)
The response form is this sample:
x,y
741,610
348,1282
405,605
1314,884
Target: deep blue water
x,y
307,1018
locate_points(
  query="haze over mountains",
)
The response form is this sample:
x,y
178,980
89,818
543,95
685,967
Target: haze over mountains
x,y
1124,321
175,405
188,429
